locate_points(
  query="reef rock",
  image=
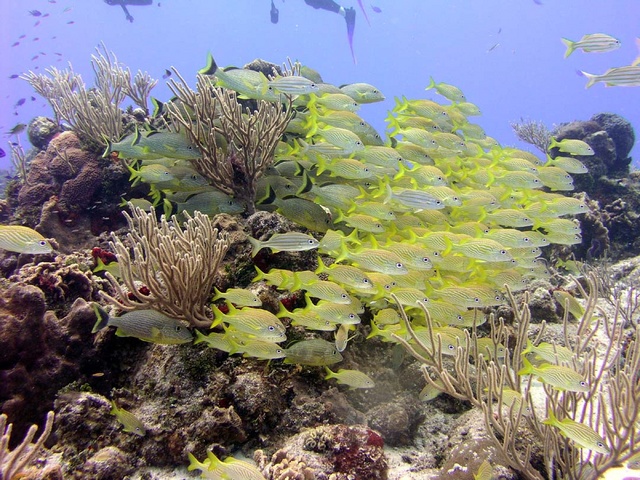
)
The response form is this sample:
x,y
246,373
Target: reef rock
x,y
621,133
40,131
468,446
39,353
79,182
329,452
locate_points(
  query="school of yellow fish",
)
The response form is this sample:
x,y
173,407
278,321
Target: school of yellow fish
x,y
434,212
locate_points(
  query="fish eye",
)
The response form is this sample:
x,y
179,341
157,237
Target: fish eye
x,y
344,295
42,243
178,328
310,241
399,265
477,300
450,347
583,383
271,328
351,316
503,252
426,259
365,280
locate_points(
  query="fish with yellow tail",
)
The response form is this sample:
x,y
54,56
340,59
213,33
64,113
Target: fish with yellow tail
x,y
129,421
592,42
582,435
352,378
146,325
284,242
557,376
231,468
19,239
315,353
238,296
571,146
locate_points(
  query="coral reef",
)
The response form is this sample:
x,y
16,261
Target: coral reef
x,y
417,216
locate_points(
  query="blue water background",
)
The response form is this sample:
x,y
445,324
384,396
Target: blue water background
x,y
524,76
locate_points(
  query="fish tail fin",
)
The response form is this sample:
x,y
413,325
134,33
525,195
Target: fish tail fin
x,y
529,347
393,125
134,173
388,193
432,84
282,311
258,277
210,67
194,464
322,164
256,246
551,418
311,104
402,171
109,148
268,198
344,253
592,79
307,183
102,318
101,266
200,337
527,368
448,246
330,374
158,107
637,60
570,46
353,237
218,294
218,316
311,124
375,331
322,268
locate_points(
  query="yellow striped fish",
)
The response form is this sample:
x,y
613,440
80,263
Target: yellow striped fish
x,y
16,238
